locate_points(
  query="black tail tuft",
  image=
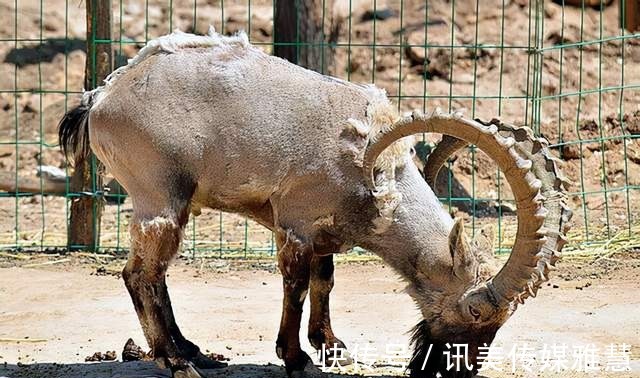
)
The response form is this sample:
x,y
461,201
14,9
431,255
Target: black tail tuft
x,y
73,132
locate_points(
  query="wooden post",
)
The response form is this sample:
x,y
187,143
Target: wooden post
x,y
304,21
630,15
86,211
284,30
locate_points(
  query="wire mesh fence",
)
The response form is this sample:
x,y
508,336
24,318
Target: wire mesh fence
x,y
568,69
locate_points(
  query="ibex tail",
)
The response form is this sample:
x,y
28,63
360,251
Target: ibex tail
x,y
73,130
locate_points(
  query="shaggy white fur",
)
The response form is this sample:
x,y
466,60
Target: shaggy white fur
x,y
170,43
178,40
380,115
181,40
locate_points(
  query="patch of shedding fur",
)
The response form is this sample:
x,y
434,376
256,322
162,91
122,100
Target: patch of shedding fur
x,y
170,44
354,138
361,128
179,40
157,225
381,115
326,221
387,199
92,97
156,240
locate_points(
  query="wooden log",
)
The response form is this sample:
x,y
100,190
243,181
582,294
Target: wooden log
x,y
303,30
630,15
86,211
285,31
21,340
54,188
31,185
45,263
587,3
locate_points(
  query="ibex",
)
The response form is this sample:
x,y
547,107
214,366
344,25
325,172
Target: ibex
x,y
212,121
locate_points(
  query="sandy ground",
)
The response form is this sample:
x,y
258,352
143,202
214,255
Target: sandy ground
x,y
68,312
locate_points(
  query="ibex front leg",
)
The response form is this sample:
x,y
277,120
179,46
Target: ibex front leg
x,y
320,331
294,258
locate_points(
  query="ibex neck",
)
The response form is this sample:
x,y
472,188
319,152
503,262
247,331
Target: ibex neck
x,y
418,236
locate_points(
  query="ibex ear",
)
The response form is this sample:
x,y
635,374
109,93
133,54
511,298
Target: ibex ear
x,y
461,253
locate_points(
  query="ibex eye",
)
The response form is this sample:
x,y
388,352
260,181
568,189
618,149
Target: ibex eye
x,y
475,313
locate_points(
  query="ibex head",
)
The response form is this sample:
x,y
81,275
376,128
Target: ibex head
x,y
468,304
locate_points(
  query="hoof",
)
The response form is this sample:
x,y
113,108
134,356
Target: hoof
x,y
205,362
341,360
188,371
309,371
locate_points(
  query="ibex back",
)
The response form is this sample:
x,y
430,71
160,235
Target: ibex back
x,y
211,121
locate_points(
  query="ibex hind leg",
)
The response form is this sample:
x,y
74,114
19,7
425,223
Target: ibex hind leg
x,y
187,348
161,195
156,232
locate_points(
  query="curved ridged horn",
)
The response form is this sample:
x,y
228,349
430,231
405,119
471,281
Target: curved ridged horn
x,y
517,274
546,168
439,156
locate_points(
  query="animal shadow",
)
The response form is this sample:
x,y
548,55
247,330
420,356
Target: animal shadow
x,y
142,369
43,52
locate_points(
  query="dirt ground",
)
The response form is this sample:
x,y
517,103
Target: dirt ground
x,y
27,69
64,312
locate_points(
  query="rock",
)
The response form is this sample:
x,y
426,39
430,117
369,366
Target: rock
x,y
435,62
132,352
632,122
110,355
378,14
549,85
50,24
31,104
354,65
98,357
341,8
133,9
5,104
218,357
386,61
505,207
633,152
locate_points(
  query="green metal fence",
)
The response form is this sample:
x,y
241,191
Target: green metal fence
x,y
569,71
